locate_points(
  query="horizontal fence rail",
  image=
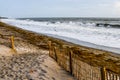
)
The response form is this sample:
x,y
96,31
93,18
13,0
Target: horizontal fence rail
x,y
71,62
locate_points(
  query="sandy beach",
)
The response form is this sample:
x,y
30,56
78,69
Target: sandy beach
x,y
59,39
32,49
28,61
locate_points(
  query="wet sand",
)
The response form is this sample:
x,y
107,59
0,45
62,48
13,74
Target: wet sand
x,y
91,45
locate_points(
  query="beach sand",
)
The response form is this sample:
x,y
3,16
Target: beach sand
x,y
27,61
28,43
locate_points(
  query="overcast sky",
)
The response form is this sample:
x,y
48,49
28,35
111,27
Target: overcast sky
x,y
60,8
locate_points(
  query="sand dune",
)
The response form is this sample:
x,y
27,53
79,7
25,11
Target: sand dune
x,y
28,61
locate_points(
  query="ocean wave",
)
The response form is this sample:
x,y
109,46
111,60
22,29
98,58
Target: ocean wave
x,y
79,30
108,25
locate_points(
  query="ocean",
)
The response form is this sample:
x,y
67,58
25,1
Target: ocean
x,y
100,33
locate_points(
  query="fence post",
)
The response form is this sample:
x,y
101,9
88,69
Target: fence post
x,y
12,42
56,57
103,73
70,62
49,44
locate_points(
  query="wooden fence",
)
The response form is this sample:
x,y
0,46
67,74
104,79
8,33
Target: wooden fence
x,y
112,76
79,69
10,38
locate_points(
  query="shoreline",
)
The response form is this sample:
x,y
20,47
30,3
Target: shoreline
x,y
87,44
108,59
95,35
76,42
